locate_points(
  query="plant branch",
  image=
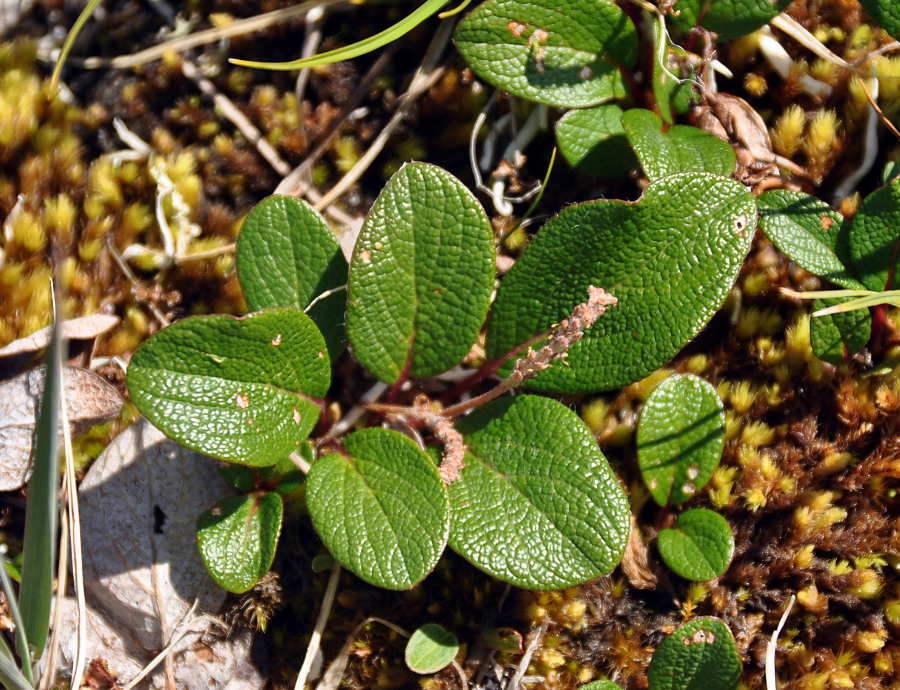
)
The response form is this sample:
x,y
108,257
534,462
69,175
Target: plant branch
x,y
568,333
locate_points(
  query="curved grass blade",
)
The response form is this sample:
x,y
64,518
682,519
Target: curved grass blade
x,y
17,677
73,34
367,45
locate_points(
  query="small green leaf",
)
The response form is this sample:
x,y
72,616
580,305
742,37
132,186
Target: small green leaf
x,y
593,141
430,648
421,275
875,238
235,389
700,655
728,18
381,509
286,476
679,149
237,539
601,685
700,546
680,438
534,50
809,232
834,337
240,477
286,256
670,259
536,504
886,13
507,640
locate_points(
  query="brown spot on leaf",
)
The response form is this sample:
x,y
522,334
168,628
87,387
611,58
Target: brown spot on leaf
x,y
516,28
242,400
297,418
365,256
827,222
276,341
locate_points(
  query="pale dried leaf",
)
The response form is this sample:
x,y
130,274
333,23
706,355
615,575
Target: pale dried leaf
x,y
82,328
139,507
90,400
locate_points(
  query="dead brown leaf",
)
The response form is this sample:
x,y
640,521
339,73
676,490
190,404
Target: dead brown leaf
x,y
90,400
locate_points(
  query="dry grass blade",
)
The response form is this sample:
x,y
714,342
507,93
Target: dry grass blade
x,y
200,38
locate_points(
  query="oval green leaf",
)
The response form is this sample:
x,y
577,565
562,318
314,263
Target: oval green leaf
x,y
835,337
536,505
700,655
593,141
679,149
381,509
421,275
808,232
540,53
700,546
238,537
875,238
430,648
728,18
235,389
680,438
886,13
286,256
601,685
670,259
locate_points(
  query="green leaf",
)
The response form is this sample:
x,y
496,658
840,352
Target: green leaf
x,y
700,546
601,685
670,259
41,513
700,655
421,275
679,149
240,477
507,640
728,18
286,477
836,336
875,238
809,233
534,50
380,508
536,504
886,13
235,389
593,141
430,648
10,675
237,538
680,438
286,256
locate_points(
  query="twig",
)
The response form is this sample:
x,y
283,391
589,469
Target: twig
x,y
569,332
316,639
178,635
293,184
535,636
73,515
424,78
772,646
236,117
182,43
